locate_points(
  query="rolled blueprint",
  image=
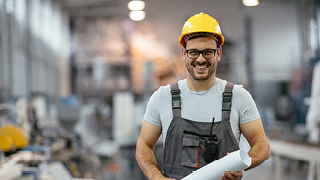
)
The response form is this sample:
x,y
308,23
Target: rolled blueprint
x,y
235,161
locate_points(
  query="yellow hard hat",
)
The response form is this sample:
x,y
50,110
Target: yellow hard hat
x,y
201,24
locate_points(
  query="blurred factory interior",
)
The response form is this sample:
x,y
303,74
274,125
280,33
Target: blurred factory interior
x,y
75,77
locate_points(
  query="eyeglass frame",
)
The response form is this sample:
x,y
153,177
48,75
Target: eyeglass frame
x,y
201,52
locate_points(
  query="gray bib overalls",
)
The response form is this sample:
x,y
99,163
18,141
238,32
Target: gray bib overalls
x,y
185,140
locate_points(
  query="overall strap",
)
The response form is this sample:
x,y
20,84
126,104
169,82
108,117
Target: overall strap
x,y
227,102
176,100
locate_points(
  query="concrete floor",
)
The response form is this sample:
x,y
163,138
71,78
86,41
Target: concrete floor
x,y
292,170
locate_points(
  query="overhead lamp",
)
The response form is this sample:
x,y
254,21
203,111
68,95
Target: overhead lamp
x,y
136,5
250,2
137,15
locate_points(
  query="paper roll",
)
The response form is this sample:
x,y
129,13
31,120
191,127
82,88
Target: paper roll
x,y
235,161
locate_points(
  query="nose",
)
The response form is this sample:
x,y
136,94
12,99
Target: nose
x,y
201,59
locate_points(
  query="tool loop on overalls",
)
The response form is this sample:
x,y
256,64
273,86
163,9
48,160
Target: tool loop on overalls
x,y
176,99
226,103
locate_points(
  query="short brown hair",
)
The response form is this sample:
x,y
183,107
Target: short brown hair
x,y
196,35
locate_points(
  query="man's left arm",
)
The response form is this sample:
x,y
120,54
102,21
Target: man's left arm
x,y
260,149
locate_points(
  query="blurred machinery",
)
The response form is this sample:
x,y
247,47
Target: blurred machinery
x,y
13,129
31,143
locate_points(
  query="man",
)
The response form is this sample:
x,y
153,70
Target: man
x,y
197,127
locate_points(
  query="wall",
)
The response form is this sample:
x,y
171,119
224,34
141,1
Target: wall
x,y
276,42
34,43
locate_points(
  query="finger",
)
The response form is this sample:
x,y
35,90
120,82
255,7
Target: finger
x,y
231,175
228,176
236,174
224,177
226,173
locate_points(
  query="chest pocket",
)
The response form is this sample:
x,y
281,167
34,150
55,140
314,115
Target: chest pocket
x,y
190,152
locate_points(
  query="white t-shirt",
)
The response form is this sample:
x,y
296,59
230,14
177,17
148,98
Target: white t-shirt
x,y
201,106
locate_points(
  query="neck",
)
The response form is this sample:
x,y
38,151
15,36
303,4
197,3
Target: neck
x,y
200,86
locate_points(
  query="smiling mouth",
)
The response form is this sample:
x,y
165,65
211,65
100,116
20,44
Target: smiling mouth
x,y
201,68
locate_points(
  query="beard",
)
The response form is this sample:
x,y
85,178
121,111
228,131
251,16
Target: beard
x,y
211,69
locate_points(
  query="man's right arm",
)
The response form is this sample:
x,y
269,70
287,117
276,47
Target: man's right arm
x,y
144,152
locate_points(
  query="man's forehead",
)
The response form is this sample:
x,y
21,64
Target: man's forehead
x,y
203,41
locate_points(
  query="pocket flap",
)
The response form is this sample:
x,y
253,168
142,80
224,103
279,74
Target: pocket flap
x,y
190,142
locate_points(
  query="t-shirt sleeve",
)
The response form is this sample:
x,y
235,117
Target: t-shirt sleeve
x,y
152,114
247,107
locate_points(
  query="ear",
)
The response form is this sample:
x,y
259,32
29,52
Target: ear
x,y
219,52
183,51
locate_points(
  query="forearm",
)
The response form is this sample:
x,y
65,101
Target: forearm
x,y
147,162
259,153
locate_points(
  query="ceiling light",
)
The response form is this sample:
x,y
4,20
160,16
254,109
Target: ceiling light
x,y
250,2
136,5
137,15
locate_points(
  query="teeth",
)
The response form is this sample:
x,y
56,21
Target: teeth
x,y
201,66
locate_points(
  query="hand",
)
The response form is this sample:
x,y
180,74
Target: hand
x,y
232,175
